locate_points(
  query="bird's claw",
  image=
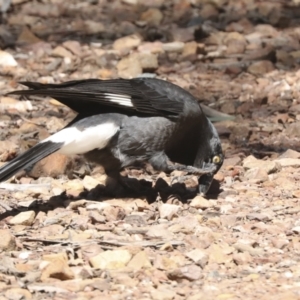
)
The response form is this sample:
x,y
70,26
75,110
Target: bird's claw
x,y
179,179
199,172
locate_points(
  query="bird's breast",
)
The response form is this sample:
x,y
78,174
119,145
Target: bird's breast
x,y
144,136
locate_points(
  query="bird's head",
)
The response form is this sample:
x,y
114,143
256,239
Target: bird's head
x,y
209,156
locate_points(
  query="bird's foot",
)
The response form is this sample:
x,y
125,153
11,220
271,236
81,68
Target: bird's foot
x,y
180,179
193,170
199,172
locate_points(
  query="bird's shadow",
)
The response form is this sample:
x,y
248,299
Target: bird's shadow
x,y
161,190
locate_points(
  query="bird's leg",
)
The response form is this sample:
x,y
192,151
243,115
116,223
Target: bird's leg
x,y
161,162
180,179
114,183
190,169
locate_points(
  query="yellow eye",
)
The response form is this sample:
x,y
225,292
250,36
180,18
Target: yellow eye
x,y
216,159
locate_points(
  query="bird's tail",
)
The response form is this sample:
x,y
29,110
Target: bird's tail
x,y
28,158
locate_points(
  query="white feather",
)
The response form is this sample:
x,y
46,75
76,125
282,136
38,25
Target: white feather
x,y
120,99
79,142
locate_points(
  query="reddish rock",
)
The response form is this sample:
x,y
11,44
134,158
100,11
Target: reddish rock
x,y
54,165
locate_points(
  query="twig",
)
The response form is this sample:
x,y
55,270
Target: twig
x,y
110,243
23,187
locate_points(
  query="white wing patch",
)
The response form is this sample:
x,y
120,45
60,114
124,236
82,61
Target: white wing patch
x,y
79,142
124,100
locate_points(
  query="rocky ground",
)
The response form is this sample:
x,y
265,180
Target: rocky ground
x,y
62,238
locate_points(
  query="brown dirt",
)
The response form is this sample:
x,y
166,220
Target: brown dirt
x,y
62,238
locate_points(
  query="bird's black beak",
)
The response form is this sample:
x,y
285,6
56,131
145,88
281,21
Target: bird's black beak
x,y
204,183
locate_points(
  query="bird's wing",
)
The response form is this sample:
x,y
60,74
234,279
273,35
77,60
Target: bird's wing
x,y
93,96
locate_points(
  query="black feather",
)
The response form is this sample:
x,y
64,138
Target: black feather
x,y
88,96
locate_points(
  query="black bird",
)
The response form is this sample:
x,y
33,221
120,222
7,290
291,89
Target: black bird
x,y
123,122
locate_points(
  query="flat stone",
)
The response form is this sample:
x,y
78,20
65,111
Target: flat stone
x,y
200,202
7,60
23,218
140,261
53,166
59,269
7,241
168,211
163,293
18,293
152,16
89,182
147,61
129,67
261,67
155,47
256,175
173,47
190,272
74,47
111,259
127,42
62,52
198,256
288,162
232,161
251,162
290,154
190,49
